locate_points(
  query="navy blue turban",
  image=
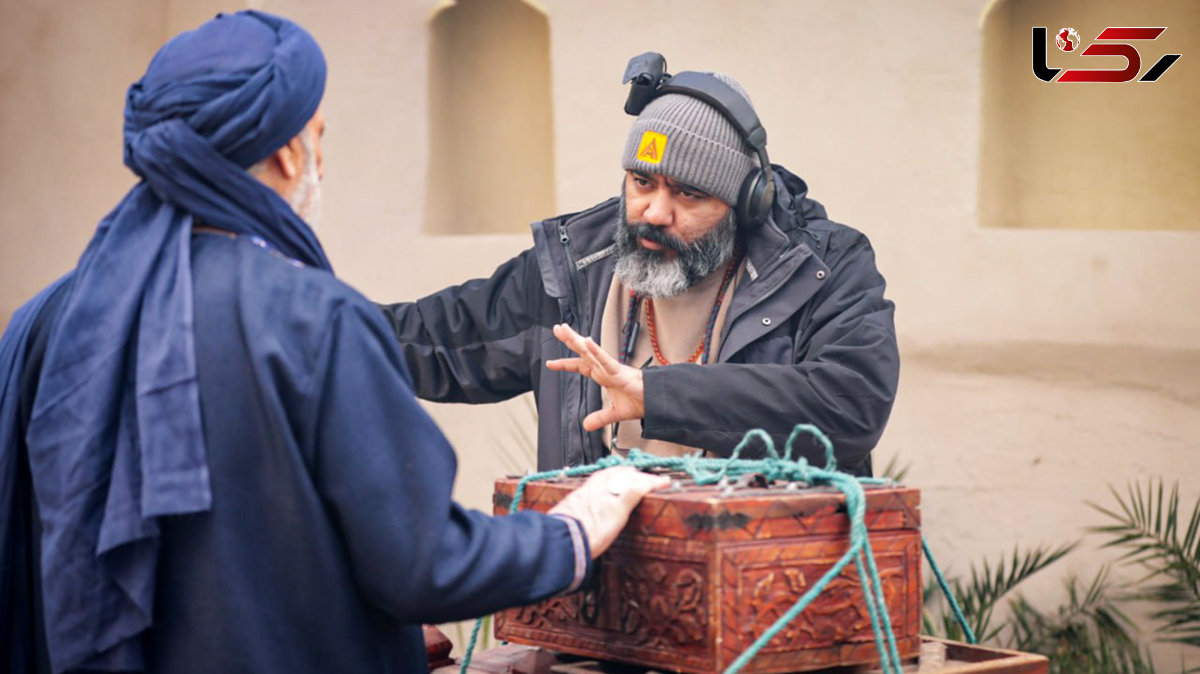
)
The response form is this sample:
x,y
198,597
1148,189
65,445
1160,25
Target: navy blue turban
x,y
115,437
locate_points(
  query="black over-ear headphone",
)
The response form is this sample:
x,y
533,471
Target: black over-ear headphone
x,y
649,80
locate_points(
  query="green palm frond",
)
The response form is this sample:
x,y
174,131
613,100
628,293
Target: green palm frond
x,y
979,596
894,470
1147,525
1089,633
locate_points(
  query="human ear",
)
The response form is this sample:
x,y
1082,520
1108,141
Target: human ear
x,y
290,159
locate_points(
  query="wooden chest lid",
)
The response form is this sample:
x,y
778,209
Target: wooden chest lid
x,y
746,510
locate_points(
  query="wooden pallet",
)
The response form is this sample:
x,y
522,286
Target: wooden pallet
x,y
959,658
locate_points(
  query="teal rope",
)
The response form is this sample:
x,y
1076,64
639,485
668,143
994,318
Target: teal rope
x,y
877,585
708,471
869,599
470,647
856,509
958,614
830,459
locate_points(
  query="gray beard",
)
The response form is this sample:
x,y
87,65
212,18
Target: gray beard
x,y
654,273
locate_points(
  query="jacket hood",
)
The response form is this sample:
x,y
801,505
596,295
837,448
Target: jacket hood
x,y
792,205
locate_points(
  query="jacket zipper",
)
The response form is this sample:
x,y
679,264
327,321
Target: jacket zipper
x,y
573,305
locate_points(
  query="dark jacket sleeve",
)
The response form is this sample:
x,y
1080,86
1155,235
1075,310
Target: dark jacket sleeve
x,y
475,342
843,380
386,472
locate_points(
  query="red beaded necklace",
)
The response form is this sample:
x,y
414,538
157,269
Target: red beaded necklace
x,y
712,319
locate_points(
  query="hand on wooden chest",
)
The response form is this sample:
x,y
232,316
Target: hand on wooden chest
x,y
602,504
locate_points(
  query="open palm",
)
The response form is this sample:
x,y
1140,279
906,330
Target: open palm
x,y
623,383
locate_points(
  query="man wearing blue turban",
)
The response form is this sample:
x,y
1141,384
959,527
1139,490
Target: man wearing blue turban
x,y
211,458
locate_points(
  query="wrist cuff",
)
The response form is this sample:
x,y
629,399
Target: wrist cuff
x,y
583,553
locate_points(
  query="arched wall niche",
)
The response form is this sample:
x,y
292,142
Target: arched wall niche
x,y
491,133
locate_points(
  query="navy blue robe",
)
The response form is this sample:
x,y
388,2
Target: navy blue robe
x,y
332,534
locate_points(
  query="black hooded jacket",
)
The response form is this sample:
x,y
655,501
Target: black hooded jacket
x,y
809,338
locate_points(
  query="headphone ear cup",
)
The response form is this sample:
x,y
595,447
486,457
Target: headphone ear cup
x,y
755,199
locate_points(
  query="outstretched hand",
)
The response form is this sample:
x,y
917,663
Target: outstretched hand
x,y
627,399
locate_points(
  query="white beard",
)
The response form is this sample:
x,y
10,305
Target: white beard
x,y
306,198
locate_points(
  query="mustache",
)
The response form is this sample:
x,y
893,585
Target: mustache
x,y
656,235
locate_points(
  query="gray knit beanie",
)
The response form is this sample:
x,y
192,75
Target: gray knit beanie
x,y
685,139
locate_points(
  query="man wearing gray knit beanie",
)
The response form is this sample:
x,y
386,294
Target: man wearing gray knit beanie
x,y
710,297
679,141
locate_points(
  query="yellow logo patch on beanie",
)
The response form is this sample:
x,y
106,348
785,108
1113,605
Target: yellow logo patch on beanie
x,y
651,149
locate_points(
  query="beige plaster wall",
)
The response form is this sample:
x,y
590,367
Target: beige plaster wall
x,y
63,76
1039,365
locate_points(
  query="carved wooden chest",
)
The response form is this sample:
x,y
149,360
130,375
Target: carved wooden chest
x,y
699,573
